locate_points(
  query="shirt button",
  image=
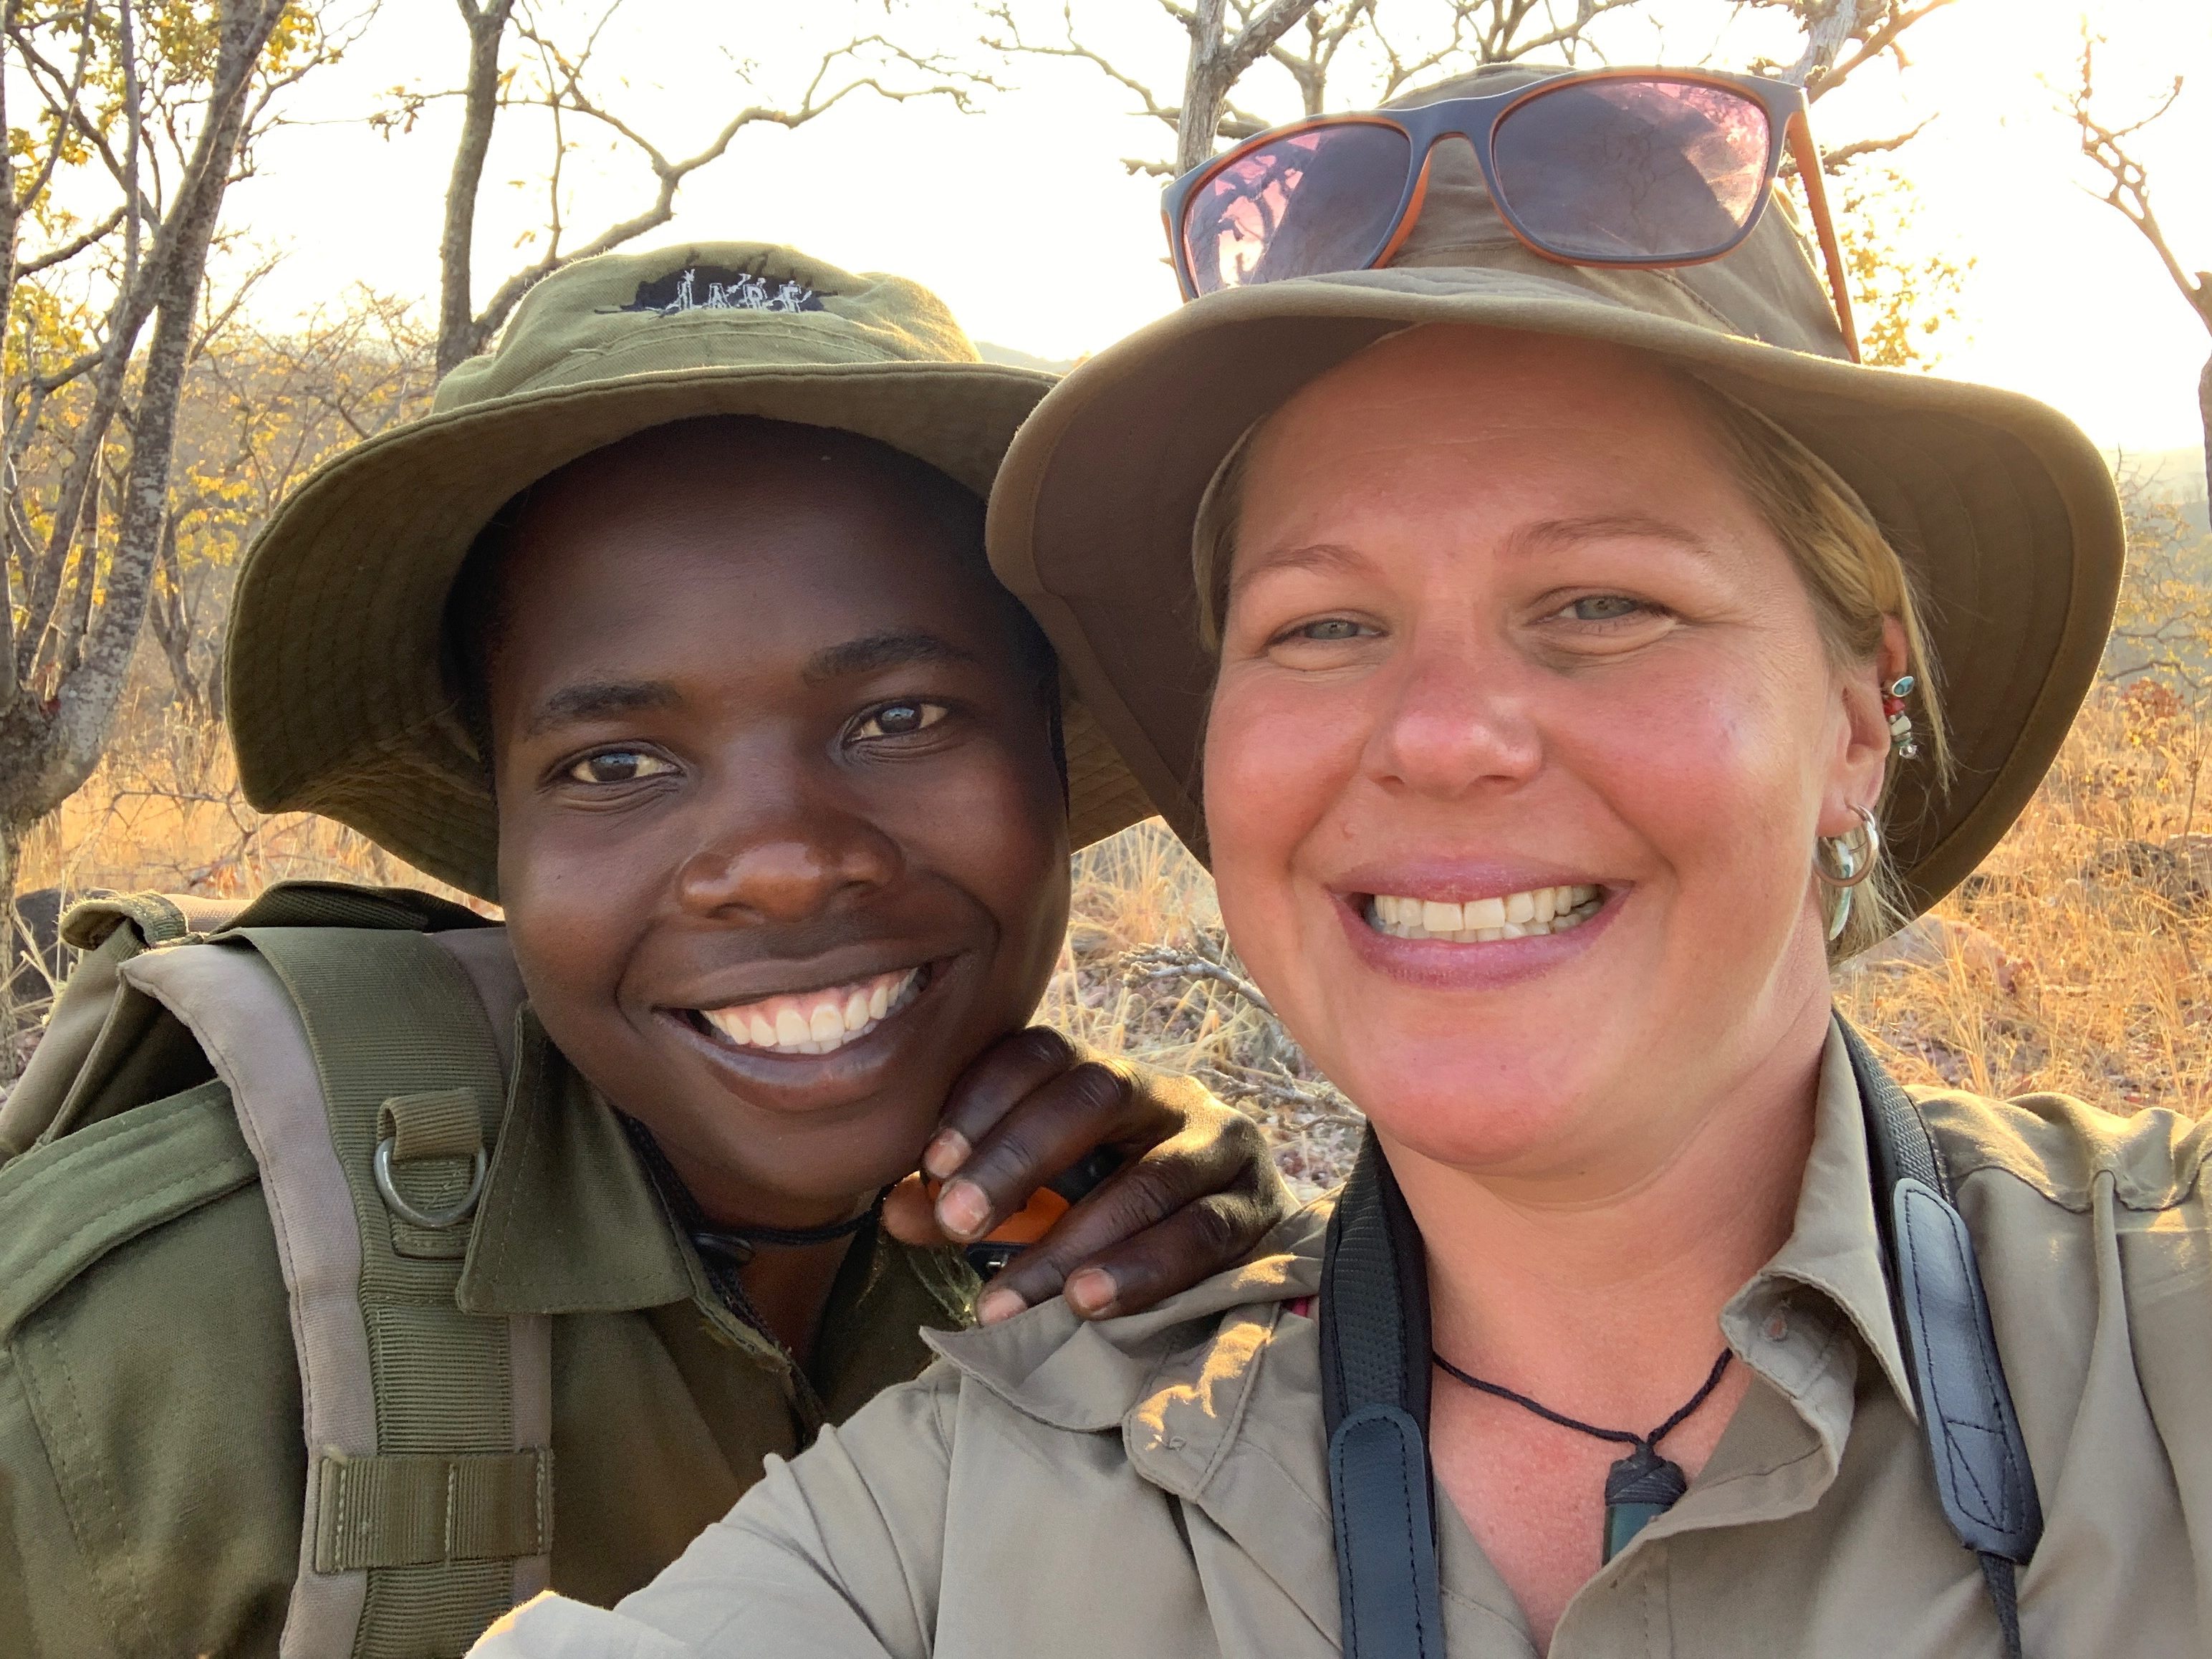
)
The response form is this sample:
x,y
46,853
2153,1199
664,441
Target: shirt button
x,y
1776,1328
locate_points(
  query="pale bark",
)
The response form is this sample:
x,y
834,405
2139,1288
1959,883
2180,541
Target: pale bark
x,y
461,333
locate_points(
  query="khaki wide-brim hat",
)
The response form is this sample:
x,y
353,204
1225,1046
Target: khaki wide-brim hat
x,y
2004,512
341,693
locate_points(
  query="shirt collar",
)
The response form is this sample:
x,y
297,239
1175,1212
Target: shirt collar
x,y
1834,1245
569,1222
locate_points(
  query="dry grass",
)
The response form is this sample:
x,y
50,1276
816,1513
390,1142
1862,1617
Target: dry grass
x,y
2070,962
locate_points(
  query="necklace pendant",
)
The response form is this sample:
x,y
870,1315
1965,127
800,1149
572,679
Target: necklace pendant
x,y
1638,1489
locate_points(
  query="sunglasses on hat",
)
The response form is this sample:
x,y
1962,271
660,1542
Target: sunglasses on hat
x,y
1635,168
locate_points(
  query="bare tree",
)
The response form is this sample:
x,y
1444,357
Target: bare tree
x,y
2128,192
555,78
101,312
262,408
1308,40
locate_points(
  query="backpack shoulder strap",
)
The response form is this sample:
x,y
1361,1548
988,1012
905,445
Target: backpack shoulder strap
x,y
1374,1307
366,1076
1975,1445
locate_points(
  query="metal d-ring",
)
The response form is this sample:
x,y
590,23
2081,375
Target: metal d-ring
x,y
437,1220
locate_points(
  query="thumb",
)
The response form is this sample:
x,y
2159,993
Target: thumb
x,y
910,1217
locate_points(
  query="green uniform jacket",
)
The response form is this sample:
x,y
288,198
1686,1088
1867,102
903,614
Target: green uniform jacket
x,y
152,1463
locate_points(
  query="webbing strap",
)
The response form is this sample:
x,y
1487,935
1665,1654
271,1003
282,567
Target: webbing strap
x,y
389,1014
1375,1409
403,1511
1374,1382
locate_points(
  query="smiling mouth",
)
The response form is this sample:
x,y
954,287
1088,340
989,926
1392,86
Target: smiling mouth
x,y
1540,911
818,1021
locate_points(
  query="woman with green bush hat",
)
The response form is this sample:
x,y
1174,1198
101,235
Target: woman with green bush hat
x,y
369,1266
1563,651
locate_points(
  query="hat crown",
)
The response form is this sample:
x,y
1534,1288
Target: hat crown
x,y
708,306
1768,288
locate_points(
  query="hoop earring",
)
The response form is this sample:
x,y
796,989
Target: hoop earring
x,y
1842,862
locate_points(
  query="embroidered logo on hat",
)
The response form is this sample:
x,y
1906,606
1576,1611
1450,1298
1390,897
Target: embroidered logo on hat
x,y
711,287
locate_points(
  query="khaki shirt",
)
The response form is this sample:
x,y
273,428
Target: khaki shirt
x,y
152,1465
1156,1485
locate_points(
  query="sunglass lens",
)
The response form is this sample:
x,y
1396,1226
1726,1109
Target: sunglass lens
x,y
1320,200
1632,169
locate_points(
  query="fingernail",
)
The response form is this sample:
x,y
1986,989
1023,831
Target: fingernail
x,y
946,1153
962,1209
1091,1290
995,1305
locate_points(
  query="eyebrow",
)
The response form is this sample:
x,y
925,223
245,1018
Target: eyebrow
x,y
873,652
1553,533
598,700
1547,536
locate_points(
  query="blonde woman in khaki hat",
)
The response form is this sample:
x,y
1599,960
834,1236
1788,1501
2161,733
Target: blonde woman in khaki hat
x,y
1583,652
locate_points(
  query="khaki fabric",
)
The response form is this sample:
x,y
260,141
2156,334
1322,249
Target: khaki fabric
x,y
151,1460
1155,1484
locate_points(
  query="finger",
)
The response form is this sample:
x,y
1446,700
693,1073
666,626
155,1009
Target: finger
x,y
1120,1249
1055,1126
910,1218
995,1083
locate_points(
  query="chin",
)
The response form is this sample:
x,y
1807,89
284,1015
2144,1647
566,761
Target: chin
x,y
1467,1104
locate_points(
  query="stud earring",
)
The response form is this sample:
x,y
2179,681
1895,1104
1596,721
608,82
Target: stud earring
x,y
1902,742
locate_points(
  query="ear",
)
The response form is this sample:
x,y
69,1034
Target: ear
x,y
1856,776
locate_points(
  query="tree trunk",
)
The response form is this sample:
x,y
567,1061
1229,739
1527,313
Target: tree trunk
x,y
458,336
2204,415
47,750
1204,90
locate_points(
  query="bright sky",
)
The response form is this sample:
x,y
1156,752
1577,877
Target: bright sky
x,y
1023,218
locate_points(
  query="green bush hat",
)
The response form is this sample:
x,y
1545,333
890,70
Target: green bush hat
x,y
341,695
2002,510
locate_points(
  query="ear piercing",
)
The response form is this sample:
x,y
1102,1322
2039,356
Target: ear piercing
x,y
1902,742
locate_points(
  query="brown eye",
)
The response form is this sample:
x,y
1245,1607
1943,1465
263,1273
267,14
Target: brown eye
x,y
618,766
900,720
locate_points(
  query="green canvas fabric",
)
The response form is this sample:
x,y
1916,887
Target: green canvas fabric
x,y
341,699
151,1465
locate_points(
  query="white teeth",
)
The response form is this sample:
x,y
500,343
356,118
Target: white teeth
x,y
816,1022
1484,921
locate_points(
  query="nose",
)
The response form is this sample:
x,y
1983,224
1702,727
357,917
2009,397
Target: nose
x,y
1458,720
794,860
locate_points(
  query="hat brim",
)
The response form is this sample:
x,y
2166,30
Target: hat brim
x,y
2003,509
338,698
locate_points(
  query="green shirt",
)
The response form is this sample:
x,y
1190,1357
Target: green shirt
x,y
152,1463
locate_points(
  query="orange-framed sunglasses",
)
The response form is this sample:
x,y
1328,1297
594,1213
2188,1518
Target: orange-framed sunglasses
x,y
1627,168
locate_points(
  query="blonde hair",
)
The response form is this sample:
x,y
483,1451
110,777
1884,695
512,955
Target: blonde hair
x,y
1854,576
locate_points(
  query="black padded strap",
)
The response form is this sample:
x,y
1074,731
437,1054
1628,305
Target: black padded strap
x,y
1374,1315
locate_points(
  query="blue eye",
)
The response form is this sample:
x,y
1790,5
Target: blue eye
x,y
619,766
1330,629
1604,607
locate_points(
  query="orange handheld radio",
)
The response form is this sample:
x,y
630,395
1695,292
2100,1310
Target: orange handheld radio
x,y
1034,1219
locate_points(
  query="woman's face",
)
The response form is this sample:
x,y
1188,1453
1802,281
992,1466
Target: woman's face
x,y
1506,640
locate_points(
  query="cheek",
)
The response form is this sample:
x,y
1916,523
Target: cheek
x,y
575,903
1279,758
1715,768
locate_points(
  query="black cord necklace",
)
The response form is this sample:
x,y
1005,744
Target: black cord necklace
x,y
1642,1485
724,1250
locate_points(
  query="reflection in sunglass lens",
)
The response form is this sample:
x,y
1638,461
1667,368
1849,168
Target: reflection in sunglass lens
x,y
1320,200
1632,169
